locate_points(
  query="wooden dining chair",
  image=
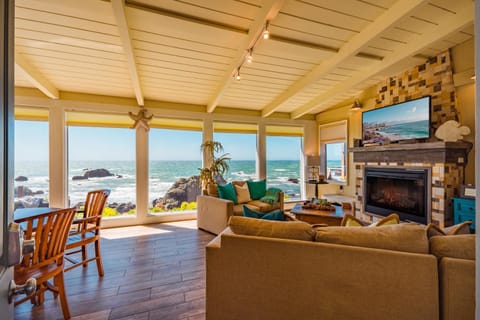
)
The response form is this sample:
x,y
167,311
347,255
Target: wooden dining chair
x,y
86,230
50,231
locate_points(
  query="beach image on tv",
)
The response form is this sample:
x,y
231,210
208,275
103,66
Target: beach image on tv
x,y
407,120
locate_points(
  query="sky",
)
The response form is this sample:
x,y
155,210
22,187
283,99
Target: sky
x,y
414,110
92,143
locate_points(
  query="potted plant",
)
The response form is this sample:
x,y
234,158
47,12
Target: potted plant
x,y
218,166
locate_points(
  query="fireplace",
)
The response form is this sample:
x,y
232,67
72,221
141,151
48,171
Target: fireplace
x,y
405,191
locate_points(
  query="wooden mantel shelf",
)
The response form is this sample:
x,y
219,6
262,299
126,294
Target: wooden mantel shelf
x,y
446,152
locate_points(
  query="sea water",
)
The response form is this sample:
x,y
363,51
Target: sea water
x,y
283,174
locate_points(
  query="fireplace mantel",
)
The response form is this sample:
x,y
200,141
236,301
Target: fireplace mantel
x,y
444,152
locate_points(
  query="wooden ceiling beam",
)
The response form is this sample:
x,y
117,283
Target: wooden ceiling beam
x,y
448,27
268,11
351,48
36,77
119,12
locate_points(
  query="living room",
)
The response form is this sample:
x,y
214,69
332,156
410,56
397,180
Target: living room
x,y
99,75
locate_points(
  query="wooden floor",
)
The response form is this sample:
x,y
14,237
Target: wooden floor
x,y
151,272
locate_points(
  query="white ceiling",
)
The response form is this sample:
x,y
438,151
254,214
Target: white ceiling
x,y
320,52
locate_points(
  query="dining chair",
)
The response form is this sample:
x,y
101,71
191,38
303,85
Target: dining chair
x,y
50,231
86,230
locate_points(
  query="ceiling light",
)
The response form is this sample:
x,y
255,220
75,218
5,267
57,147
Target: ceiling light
x,y
249,55
357,105
266,33
238,74
473,77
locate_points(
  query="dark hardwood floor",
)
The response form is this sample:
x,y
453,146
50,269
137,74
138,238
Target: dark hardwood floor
x,y
151,272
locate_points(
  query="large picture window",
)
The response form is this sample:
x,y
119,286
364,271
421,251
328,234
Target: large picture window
x,y
31,164
284,154
175,157
240,142
102,158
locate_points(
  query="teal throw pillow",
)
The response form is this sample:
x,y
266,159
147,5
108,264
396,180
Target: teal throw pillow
x,y
275,215
257,188
227,192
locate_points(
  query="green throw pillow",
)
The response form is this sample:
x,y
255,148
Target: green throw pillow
x,y
257,188
227,192
275,215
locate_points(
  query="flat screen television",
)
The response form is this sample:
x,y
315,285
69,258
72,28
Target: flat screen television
x,y
402,121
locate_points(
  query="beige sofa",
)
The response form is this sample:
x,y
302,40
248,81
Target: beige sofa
x,y
213,213
263,272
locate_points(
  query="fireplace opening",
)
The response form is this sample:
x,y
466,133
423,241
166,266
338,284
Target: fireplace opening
x,y
403,191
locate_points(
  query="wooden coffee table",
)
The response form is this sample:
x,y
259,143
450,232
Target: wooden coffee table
x,y
312,216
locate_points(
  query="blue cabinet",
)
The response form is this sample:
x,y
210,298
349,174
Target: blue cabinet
x,y
464,210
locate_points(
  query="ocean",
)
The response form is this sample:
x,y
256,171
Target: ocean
x,y
162,175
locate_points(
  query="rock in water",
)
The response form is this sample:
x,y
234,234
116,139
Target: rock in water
x,y
21,179
79,178
97,173
183,190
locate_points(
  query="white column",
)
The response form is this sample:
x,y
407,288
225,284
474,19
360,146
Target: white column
x,y
57,163
310,147
261,163
142,172
207,136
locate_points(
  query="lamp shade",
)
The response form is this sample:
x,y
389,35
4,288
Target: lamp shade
x,y
313,160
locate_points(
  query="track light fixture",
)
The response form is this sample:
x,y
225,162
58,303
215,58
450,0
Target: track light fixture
x,y
238,77
249,55
266,33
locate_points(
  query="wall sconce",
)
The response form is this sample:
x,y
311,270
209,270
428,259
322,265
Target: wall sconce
x,y
357,105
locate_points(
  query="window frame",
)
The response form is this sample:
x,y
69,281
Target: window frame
x,y
334,132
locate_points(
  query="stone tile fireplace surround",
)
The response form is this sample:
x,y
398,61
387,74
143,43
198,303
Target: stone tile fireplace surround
x,y
446,160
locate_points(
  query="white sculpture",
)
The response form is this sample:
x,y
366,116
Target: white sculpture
x,y
451,131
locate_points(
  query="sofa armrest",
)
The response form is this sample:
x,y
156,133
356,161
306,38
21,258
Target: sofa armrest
x,y
213,213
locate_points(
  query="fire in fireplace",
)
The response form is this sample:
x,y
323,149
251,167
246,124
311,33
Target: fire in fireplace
x,y
405,191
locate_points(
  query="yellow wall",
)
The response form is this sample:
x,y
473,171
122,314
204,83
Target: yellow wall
x,y
463,66
462,59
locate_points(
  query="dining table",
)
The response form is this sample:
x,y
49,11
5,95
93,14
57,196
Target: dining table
x,y
22,214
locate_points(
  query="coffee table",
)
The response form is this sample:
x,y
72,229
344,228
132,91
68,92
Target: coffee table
x,y
313,216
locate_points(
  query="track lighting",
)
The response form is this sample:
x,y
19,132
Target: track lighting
x,y
266,33
238,74
249,55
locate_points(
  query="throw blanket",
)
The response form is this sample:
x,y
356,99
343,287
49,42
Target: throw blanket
x,y
271,195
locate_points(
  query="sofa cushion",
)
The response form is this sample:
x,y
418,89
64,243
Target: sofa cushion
x,y
238,209
227,192
262,206
460,247
350,220
212,189
257,188
295,230
274,215
461,228
405,237
242,192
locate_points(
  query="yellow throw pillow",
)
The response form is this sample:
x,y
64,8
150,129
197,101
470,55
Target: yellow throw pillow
x,y
243,194
351,221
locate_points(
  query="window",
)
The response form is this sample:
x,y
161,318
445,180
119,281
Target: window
x,y
284,154
31,163
175,157
102,158
240,142
333,159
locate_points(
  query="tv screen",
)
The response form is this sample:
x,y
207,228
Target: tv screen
x,y
402,121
